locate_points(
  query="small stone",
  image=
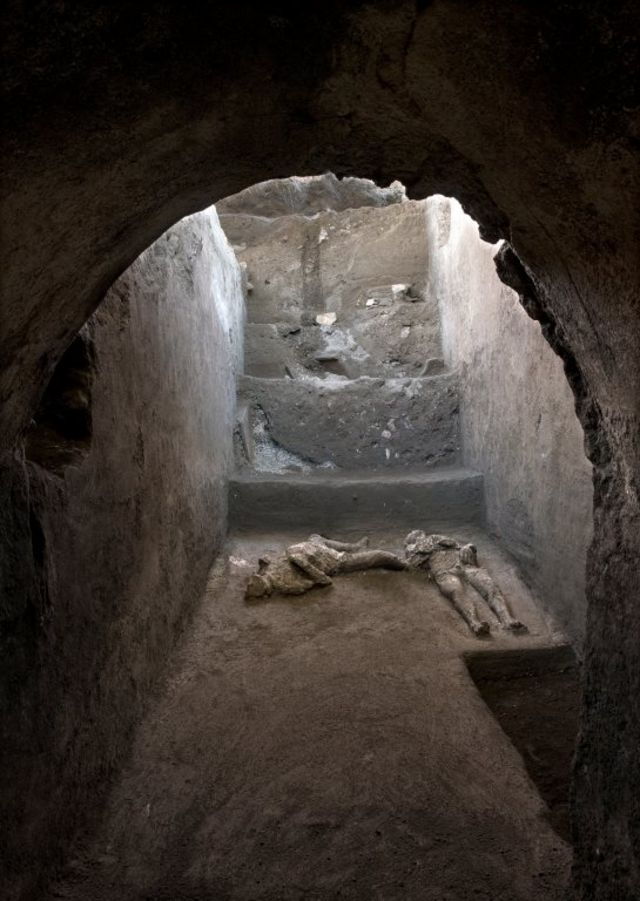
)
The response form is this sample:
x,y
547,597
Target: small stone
x,y
326,318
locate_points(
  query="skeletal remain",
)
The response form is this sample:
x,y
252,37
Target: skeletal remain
x,y
454,567
313,562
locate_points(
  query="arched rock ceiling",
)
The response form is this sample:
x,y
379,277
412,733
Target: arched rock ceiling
x,y
124,120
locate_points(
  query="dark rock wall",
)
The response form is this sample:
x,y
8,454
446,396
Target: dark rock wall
x,y
118,121
116,546
518,419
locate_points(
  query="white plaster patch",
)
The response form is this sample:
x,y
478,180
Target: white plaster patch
x,y
326,318
238,561
269,456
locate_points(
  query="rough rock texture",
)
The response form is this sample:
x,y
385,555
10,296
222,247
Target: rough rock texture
x,y
309,194
117,545
118,122
365,265
385,334
361,423
337,311
339,297
518,422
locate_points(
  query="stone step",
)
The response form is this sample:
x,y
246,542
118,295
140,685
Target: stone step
x,y
359,423
331,501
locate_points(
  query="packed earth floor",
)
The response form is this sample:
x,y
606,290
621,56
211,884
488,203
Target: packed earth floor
x,y
336,746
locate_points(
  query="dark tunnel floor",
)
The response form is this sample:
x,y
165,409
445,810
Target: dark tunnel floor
x,y
336,746
535,696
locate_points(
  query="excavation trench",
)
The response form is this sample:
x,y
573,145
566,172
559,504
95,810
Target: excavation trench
x,y
372,376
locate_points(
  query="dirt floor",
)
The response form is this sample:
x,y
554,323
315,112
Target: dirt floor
x,y
329,746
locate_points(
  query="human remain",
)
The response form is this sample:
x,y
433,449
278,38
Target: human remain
x,y
453,566
313,562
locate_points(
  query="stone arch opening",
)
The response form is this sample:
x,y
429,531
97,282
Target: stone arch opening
x,y
188,282
507,263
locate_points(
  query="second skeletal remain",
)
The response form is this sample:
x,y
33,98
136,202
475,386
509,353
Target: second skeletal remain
x,y
453,567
